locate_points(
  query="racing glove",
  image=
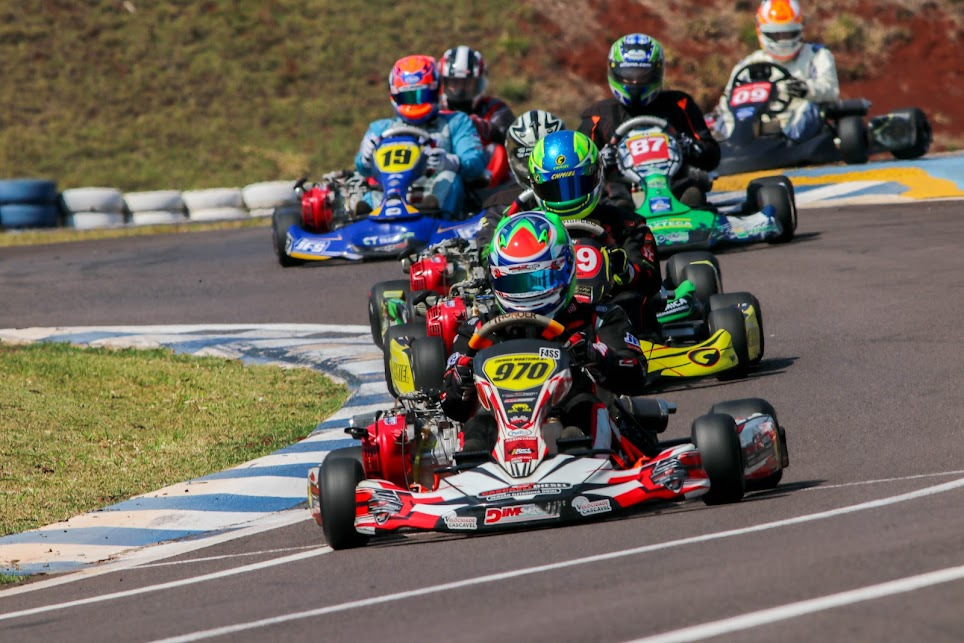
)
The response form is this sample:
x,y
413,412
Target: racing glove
x,y
367,149
692,149
587,354
608,156
483,127
441,161
622,267
797,88
459,378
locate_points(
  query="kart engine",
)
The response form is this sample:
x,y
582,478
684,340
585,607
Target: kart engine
x,y
317,208
443,319
431,273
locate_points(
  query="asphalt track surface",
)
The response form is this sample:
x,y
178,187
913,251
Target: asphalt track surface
x,y
863,363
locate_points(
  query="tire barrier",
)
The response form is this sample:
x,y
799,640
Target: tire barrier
x,y
29,203
262,199
90,220
158,217
90,208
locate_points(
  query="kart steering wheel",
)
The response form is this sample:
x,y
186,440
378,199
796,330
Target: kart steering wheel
x,y
763,71
675,160
424,138
480,339
582,225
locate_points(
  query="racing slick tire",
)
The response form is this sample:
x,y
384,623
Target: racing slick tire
x,y
351,453
376,302
428,364
740,409
336,487
718,442
779,179
922,134
854,142
731,319
394,337
744,300
280,222
704,278
679,261
779,198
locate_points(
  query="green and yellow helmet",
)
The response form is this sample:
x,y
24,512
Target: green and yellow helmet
x,y
566,174
636,65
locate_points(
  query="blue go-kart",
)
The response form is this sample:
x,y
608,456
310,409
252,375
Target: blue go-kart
x,y
402,223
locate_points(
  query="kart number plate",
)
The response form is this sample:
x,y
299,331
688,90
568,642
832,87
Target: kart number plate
x,y
393,158
750,93
518,372
648,148
588,261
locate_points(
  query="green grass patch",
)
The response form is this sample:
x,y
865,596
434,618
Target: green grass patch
x,y
86,428
63,235
11,579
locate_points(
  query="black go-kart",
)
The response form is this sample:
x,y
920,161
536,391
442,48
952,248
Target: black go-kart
x,y
758,93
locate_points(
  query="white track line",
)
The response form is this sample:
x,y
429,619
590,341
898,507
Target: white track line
x,y
469,582
793,610
205,559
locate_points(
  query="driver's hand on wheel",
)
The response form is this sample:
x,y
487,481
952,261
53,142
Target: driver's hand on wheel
x,y
367,149
441,161
797,88
585,353
608,156
459,373
692,149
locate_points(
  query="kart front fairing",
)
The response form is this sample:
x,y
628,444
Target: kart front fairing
x,y
563,488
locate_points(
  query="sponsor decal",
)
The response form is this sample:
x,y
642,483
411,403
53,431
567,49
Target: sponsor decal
x,y
656,183
628,362
673,237
562,175
669,473
383,503
461,522
387,239
309,245
551,353
660,204
744,113
454,357
704,356
520,407
525,490
587,507
631,341
390,420
519,513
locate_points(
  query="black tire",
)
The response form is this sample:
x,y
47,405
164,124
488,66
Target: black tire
x,y
280,222
740,409
339,478
854,142
350,453
428,364
676,264
776,179
922,138
731,319
413,331
376,300
704,278
780,199
719,445
738,299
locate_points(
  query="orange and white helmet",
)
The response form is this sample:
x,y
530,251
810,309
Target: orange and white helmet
x,y
413,85
779,26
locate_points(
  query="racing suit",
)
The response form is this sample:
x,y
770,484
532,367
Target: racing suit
x,y
454,133
815,66
620,369
701,152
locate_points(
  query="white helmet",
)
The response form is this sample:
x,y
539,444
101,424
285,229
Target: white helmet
x,y
463,77
523,135
779,27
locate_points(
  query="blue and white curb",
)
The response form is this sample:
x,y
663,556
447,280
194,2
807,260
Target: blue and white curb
x,y
234,499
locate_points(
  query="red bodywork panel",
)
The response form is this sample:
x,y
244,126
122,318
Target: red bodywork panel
x,y
316,209
430,273
383,451
443,319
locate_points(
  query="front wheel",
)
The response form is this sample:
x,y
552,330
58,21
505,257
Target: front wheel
x,y
280,222
854,142
742,409
718,442
922,134
752,318
339,477
731,320
779,199
679,261
378,317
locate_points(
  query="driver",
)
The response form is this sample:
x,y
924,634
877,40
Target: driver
x,y
464,79
779,28
532,270
457,156
636,63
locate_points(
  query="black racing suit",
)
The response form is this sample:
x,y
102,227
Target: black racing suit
x,y
492,118
600,120
620,368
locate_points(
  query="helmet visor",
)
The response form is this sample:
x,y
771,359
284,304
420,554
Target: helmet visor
x,y
522,285
636,74
418,96
460,89
566,188
783,36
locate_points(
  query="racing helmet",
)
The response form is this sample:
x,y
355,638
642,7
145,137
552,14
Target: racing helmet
x,y
566,174
531,264
413,86
463,77
636,65
779,27
523,135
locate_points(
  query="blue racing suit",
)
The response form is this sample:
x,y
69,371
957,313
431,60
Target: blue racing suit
x,y
455,133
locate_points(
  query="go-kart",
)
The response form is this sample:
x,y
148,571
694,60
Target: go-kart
x,y
757,142
648,155
533,476
325,229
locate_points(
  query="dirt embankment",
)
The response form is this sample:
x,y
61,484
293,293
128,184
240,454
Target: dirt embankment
x,y
896,53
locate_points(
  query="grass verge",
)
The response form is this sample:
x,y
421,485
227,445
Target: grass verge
x,y
85,428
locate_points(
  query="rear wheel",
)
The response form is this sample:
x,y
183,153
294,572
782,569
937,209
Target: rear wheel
x,y
854,142
280,222
745,302
397,356
679,261
339,478
350,453
377,304
428,364
704,278
741,409
731,320
716,439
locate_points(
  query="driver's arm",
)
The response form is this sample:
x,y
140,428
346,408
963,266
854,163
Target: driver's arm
x,y
706,155
623,371
467,146
823,84
376,129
